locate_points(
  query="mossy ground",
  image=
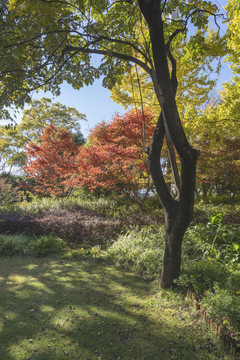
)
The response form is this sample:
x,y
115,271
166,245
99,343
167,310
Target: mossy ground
x,y
90,309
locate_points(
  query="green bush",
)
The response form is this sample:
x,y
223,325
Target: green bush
x,y
8,193
230,212
201,276
224,307
140,249
30,245
46,245
213,240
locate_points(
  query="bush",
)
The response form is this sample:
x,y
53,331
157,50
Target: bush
x,y
8,193
140,249
224,307
32,246
213,240
201,276
230,212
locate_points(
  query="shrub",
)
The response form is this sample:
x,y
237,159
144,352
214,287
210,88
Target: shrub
x,y
46,245
80,227
32,246
8,193
224,307
213,240
201,276
230,212
140,249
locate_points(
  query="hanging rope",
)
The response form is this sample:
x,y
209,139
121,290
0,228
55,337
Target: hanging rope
x,y
143,117
136,110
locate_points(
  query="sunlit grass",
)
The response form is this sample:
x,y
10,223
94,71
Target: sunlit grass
x,y
64,309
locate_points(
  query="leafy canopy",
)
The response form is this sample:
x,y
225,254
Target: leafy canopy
x,y
44,43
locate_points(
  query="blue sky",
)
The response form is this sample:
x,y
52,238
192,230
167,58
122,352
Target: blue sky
x,y
95,102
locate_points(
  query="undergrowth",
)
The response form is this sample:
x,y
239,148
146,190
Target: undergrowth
x,y
114,206
20,244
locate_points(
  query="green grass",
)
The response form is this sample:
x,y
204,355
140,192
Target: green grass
x,y
89,309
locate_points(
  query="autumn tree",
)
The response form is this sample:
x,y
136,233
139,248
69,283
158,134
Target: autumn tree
x,y
41,114
51,162
55,41
113,157
215,131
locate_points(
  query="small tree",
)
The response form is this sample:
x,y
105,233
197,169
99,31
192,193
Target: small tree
x,y
114,158
52,162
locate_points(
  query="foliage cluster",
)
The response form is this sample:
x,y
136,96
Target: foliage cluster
x,y
113,158
8,193
42,113
80,227
140,249
31,245
52,162
111,205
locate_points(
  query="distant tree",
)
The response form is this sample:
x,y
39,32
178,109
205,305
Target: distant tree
x,y
216,132
114,156
51,162
41,114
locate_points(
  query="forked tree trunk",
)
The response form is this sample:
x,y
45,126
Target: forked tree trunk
x,y
178,212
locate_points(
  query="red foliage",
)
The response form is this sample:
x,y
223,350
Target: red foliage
x,y
52,162
115,158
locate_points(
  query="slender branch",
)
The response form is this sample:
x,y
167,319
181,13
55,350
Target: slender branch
x,y
110,53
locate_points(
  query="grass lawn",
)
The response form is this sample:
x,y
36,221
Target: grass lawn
x,y
90,309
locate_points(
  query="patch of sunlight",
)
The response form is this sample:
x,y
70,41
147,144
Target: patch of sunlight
x,y
68,285
2,278
41,287
56,271
10,315
20,294
31,267
47,308
18,280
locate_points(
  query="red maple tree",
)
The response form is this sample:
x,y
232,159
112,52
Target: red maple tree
x,y
114,157
52,162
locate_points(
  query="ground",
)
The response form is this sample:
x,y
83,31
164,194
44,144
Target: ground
x,y
53,309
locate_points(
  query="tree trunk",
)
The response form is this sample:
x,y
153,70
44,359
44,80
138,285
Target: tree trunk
x,y
178,213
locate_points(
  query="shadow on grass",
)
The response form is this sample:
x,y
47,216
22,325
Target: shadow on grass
x,y
53,309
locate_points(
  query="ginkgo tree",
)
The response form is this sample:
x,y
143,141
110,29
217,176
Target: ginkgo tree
x,y
54,41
